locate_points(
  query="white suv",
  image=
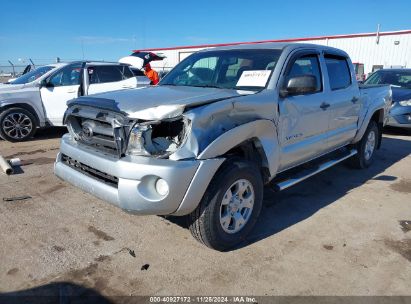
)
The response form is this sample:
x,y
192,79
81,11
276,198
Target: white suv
x,y
38,98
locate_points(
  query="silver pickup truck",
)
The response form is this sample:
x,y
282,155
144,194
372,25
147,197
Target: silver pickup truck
x,y
221,125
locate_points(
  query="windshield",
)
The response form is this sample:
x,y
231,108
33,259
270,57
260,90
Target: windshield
x,y
33,75
234,69
396,78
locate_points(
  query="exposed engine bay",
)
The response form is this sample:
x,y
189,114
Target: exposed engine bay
x,y
157,138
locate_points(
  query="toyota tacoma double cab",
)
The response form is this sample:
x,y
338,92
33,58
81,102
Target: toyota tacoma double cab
x,y
38,98
221,125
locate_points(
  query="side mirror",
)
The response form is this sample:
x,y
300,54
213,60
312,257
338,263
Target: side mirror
x,y
300,85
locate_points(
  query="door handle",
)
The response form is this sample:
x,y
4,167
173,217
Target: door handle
x,y
71,91
354,99
324,106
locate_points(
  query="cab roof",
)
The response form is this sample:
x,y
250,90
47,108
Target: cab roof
x,y
278,46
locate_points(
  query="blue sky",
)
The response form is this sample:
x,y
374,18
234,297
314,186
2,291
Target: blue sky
x,y
108,30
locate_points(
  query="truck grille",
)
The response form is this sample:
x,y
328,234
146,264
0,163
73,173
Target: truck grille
x,y
90,172
98,133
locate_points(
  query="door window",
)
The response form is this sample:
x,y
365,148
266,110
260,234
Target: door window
x,y
306,65
67,76
108,73
338,72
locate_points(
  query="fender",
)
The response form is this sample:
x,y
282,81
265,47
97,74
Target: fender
x,y
382,101
5,104
263,130
366,121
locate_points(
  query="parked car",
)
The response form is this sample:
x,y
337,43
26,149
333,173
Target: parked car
x,y
400,81
38,98
220,125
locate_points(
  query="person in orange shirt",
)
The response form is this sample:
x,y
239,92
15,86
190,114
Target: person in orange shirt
x,y
151,74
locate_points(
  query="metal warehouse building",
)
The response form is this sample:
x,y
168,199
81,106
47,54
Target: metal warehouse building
x,y
374,50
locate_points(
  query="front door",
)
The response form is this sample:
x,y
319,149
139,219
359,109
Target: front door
x,y
303,118
61,87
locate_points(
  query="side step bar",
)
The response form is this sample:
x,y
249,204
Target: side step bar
x,y
303,175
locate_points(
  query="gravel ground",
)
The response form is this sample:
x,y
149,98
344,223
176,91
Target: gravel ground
x,y
342,232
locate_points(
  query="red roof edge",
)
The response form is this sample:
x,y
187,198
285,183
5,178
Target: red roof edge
x,y
278,40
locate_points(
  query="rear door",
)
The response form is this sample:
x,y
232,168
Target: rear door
x,y
105,78
303,118
344,100
62,86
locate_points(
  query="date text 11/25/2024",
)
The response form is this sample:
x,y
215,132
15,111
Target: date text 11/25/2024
x,y
203,299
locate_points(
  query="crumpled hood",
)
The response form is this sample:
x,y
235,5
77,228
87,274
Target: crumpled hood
x,y
157,102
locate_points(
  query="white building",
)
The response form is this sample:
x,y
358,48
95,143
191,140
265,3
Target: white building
x,y
375,50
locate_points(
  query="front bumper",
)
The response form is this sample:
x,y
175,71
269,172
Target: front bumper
x,y
135,177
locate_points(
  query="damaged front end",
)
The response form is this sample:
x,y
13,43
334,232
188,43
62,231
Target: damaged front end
x,y
116,134
158,138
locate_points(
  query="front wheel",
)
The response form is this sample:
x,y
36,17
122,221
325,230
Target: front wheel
x,y
230,206
17,124
366,147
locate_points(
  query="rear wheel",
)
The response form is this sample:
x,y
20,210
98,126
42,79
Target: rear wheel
x,y
366,147
230,206
17,124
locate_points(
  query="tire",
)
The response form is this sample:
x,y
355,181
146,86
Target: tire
x,y
17,124
221,223
366,147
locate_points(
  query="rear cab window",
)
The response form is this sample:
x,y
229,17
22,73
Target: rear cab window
x,y
338,70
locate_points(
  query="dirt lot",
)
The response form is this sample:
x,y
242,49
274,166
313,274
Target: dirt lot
x,y
339,233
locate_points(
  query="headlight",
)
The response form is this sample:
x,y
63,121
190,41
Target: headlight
x,y
136,141
405,103
157,138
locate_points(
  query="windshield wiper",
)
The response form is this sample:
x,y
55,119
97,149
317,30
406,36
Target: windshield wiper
x,y
206,86
195,86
